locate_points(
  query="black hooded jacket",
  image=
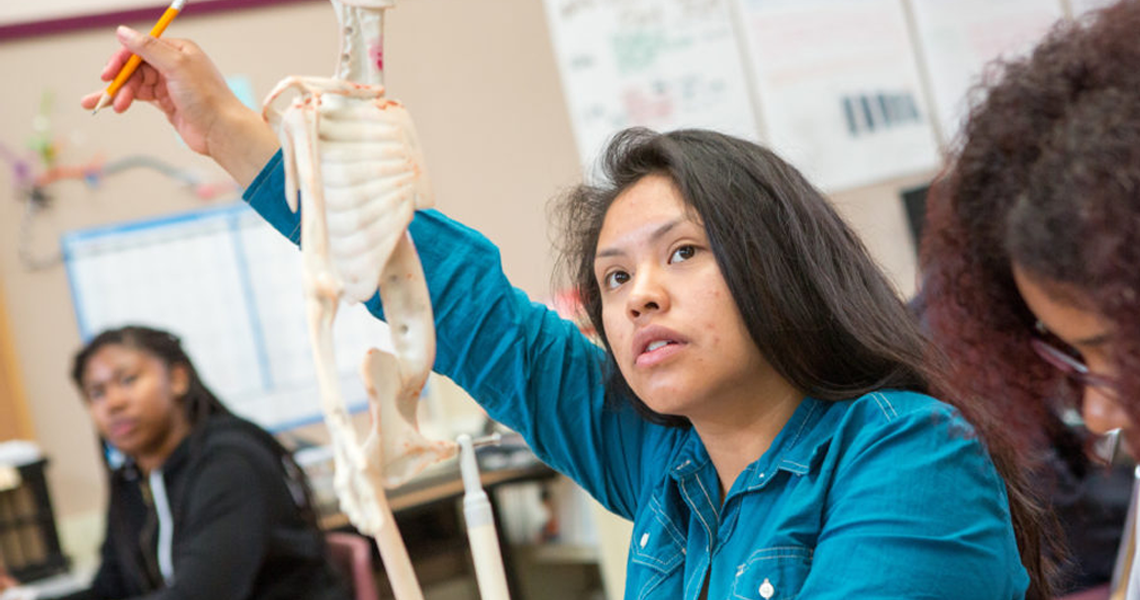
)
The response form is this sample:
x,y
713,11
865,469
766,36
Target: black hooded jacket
x,y
231,526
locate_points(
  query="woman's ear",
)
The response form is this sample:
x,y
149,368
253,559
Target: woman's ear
x,y
179,380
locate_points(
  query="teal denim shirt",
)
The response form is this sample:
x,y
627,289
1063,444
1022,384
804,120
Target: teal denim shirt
x,y
884,496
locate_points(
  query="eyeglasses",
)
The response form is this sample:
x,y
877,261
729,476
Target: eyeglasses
x,y
1049,348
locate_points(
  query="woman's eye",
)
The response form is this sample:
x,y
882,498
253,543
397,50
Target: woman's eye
x,y
613,279
682,253
129,379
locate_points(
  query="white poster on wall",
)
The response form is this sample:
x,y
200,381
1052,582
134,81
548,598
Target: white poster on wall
x,y
839,88
959,37
659,64
1082,7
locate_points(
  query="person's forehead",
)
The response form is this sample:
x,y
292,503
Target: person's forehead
x,y
1066,310
647,205
117,356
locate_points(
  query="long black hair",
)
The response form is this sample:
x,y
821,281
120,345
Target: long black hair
x,y
814,302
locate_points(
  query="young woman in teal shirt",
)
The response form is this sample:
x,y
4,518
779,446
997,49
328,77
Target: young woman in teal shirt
x,y
758,407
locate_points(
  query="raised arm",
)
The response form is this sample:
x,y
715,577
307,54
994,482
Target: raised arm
x,y
530,369
179,79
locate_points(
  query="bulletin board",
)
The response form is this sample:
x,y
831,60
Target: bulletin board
x,y
230,287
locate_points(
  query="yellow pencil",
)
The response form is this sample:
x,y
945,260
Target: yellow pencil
x,y
134,61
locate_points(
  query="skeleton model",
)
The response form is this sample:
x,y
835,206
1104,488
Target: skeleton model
x,y
354,157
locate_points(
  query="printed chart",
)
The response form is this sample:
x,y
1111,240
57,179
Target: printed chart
x,y
230,287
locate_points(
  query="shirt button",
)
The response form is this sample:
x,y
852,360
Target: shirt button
x,y
766,589
644,539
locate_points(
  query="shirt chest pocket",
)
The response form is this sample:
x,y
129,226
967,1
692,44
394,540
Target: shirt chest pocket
x,y
656,557
773,574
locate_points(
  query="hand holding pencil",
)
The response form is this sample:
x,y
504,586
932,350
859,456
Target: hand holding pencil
x,y
129,68
177,77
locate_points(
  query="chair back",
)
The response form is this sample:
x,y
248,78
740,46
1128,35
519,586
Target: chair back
x,y
351,554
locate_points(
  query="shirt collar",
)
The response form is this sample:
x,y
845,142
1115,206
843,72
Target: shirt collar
x,y
797,446
796,449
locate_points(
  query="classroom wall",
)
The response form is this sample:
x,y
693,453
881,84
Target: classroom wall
x,y
480,80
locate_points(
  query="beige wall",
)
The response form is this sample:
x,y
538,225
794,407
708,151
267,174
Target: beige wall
x,y
479,78
15,420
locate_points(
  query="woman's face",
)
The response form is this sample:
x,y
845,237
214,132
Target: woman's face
x,y
134,400
669,317
1064,312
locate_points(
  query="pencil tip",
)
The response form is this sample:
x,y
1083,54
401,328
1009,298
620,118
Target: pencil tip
x,y
104,100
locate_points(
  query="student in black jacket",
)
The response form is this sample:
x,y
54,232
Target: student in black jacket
x,y
207,505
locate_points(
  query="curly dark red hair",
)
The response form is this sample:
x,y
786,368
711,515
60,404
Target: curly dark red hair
x,y
1047,175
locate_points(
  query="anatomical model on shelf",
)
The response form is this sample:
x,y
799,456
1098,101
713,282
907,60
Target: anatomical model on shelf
x,y
353,155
